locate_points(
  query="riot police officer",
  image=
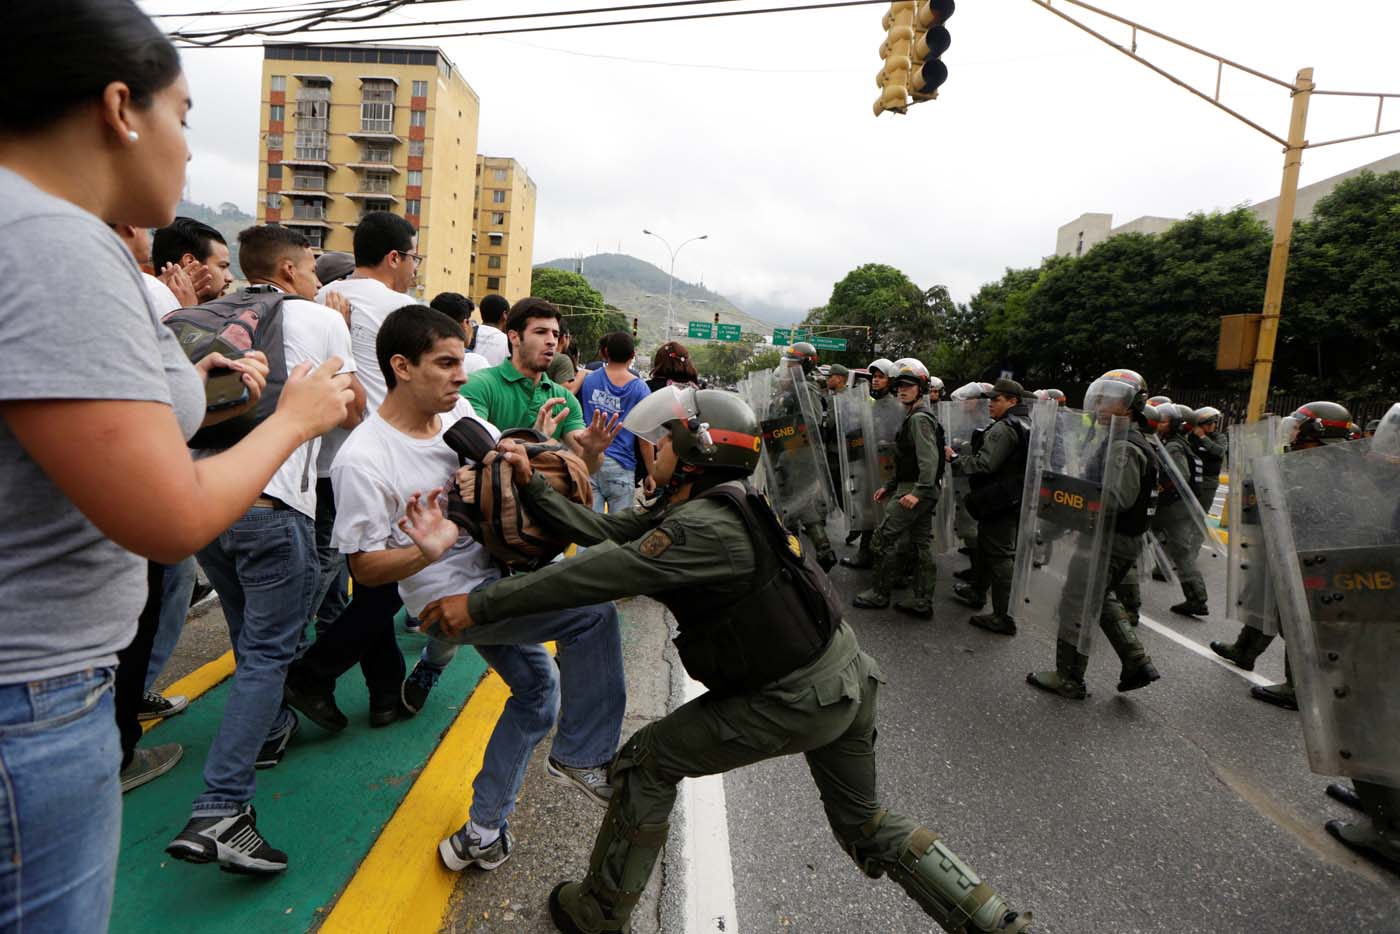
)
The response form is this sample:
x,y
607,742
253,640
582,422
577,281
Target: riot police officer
x,y
1174,523
1132,495
888,415
804,473
1207,441
1309,426
994,463
911,496
759,626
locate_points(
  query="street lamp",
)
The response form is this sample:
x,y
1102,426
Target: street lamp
x,y
671,280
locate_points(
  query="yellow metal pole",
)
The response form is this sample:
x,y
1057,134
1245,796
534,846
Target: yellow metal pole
x,y
1283,234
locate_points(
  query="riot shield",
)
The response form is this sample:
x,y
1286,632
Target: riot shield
x,y
888,415
757,391
799,479
1063,506
1170,476
854,422
1331,518
1249,594
961,420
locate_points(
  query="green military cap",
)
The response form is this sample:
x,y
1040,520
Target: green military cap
x,y
837,369
1009,387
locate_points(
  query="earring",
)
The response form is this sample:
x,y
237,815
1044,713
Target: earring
x,y
132,135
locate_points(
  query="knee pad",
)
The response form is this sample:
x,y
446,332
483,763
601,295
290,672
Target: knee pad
x,y
949,891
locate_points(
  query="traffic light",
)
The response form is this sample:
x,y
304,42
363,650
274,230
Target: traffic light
x,y
931,40
634,329
716,319
893,79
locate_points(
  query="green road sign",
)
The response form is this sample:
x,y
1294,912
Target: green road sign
x,y
783,336
829,343
701,329
730,332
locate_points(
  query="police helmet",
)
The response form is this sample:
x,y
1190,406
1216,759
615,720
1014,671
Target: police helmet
x,y
1169,414
970,391
1041,394
883,366
1207,414
1057,395
1159,400
1152,415
1117,388
709,428
1386,440
935,383
804,353
909,371
1317,422
1188,415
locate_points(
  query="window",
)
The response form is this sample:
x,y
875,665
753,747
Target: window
x,y
377,105
313,114
498,217
493,282
276,113
308,209
415,178
274,200
493,262
415,147
274,141
498,197
377,181
376,152
496,239
274,170
499,174
418,118
413,206
277,83
314,235
420,89
308,181
312,145
377,206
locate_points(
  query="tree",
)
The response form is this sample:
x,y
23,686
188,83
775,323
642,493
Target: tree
x,y
722,362
585,313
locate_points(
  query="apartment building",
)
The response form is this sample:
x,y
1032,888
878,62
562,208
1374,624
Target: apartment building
x,y
505,229
347,129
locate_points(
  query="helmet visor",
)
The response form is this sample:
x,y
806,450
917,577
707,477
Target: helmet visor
x,y
649,418
1110,395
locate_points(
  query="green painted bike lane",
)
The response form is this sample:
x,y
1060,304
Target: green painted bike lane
x,y
324,804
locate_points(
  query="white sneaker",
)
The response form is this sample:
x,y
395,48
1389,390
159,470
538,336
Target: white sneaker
x,y
464,849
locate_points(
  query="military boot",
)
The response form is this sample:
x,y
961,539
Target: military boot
x,y
1280,695
1067,680
1246,648
623,856
877,596
970,595
1377,839
999,623
1191,608
1138,670
1339,792
919,603
861,560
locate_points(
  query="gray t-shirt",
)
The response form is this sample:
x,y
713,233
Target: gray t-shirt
x,y
75,323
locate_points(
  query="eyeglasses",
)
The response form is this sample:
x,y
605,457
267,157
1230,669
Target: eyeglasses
x,y
418,258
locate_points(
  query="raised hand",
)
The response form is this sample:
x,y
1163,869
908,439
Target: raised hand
x,y
426,526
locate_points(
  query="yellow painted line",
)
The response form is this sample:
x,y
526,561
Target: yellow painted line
x,y
202,679
402,885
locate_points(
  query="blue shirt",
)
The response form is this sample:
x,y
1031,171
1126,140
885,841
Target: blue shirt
x,y
599,393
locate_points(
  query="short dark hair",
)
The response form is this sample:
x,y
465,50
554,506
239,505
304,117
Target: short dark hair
x,y
261,249
672,361
493,308
380,233
410,332
453,304
526,309
97,42
183,235
618,347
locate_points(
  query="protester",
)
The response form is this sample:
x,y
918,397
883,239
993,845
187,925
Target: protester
x,y
614,391
671,366
563,366
198,249
491,340
97,400
460,308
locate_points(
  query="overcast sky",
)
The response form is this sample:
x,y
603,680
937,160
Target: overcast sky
x,y
758,131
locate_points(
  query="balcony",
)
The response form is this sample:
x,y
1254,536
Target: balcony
x,y
373,167
372,196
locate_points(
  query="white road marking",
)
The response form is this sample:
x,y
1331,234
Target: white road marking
x,y
1202,650
709,902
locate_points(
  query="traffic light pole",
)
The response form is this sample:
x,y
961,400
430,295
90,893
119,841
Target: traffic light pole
x,y
1278,258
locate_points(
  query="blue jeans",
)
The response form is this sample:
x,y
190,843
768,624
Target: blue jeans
x,y
176,588
60,803
589,694
614,485
265,571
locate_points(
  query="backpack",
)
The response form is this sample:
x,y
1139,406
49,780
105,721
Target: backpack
x,y
486,504
249,319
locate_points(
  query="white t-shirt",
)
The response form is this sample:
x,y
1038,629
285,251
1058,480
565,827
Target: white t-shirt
x,y
492,344
311,332
375,473
371,301
162,299
474,361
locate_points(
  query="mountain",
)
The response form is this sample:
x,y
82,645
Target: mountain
x,y
638,289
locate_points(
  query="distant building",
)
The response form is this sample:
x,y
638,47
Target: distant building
x,y
1081,234
347,129
504,238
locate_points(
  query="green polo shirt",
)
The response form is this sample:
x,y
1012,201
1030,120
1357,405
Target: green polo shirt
x,y
508,399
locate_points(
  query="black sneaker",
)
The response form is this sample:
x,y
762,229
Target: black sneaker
x,y
318,705
233,842
157,706
1191,608
417,686
275,748
464,849
149,763
592,782
200,593
966,574
385,709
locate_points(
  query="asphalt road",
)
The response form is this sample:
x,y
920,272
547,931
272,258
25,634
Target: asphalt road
x,y
1186,806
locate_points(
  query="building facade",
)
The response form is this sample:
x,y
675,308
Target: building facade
x,y
349,129
505,229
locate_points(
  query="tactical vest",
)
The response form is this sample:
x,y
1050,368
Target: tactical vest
x,y
1195,476
1210,463
906,458
1000,491
1134,520
735,644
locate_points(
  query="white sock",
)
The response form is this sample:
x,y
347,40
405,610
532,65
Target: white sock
x,y
487,835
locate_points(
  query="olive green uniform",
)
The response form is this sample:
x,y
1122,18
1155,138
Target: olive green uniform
x,y
825,709
1000,458
918,462
810,519
1211,450
1173,523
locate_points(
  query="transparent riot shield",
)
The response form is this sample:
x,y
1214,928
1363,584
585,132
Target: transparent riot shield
x,y
1064,508
799,481
757,389
1249,594
854,428
888,414
1331,519
1171,477
960,420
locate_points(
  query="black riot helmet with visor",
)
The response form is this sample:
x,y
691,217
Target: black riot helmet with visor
x,y
710,429
1317,423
